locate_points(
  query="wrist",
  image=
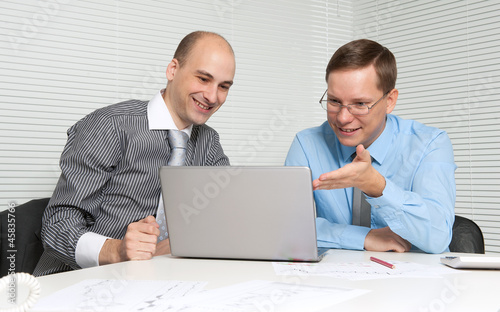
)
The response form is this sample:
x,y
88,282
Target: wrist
x,y
110,252
375,184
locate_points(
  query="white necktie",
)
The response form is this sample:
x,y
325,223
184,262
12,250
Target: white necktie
x,y
178,142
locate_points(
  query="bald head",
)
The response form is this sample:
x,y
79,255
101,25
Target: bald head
x,y
188,43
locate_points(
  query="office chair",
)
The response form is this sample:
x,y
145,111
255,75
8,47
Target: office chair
x,y
27,246
467,236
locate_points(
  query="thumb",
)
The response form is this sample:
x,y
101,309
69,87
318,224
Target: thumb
x,y
149,220
362,154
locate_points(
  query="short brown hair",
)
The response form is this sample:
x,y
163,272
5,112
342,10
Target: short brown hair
x,y
362,53
187,43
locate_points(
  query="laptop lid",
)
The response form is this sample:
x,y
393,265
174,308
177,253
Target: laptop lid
x,y
260,213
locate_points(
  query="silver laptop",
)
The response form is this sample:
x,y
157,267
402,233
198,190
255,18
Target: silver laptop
x,y
258,213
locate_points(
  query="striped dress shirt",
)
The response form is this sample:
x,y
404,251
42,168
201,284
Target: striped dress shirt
x,y
110,178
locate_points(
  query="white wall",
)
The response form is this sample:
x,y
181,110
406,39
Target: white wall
x,y
61,59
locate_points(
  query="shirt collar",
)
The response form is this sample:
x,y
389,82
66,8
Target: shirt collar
x,y
378,149
347,151
159,117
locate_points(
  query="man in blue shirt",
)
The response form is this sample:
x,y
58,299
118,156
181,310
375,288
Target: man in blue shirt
x,y
404,168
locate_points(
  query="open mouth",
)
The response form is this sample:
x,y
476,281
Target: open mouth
x,y
348,130
201,105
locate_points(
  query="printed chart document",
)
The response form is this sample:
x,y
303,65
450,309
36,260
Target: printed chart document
x,y
360,270
165,296
265,296
118,295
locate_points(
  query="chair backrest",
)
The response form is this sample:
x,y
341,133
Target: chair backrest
x,y
21,250
467,236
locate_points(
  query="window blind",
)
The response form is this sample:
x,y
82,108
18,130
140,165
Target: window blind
x,y
62,59
448,62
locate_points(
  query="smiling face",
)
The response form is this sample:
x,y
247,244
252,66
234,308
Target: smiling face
x,y
352,86
198,88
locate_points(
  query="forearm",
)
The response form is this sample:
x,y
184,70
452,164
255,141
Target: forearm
x,y
344,236
425,222
110,252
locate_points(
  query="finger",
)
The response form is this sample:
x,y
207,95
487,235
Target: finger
x,y
144,227
142,242
135,239
138,249
397,247
151,220
326,185
140,255
148,219
402,244
337,175
407,245
147,247
327,176
334,180
362,154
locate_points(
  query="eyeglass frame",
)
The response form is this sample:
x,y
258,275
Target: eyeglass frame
x,y
350,105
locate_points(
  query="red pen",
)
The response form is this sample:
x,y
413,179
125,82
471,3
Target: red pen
x,y
382,262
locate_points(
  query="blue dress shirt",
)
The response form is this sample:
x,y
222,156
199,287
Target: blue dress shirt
x,y
419,197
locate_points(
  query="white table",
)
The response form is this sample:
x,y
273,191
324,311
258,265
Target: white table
x,y
473,290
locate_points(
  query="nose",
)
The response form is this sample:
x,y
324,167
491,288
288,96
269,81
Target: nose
x,y
210,94
344,116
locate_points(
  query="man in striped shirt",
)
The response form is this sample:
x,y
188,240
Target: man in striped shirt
x,y
104,205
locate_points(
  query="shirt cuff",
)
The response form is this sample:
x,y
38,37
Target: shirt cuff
x,y
354,237
389,207
343,236
88,248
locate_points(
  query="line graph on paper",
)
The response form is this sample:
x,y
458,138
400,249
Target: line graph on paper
x,y
265,296
357,270
118,295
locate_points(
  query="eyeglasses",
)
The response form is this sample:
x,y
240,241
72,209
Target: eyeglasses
x,y
332,106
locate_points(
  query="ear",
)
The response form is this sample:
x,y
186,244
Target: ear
x,y
172,68
392,98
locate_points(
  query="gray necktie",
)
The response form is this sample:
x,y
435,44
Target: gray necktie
x,y
178,142
361,209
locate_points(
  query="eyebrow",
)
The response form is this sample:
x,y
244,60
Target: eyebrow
x,y
360,99
205,73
